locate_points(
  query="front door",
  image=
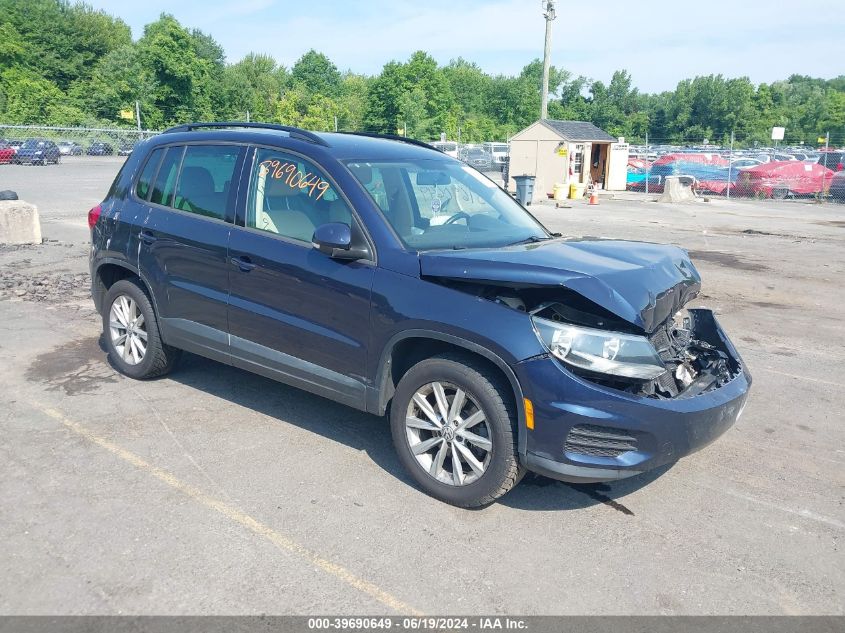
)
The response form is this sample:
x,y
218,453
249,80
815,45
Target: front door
x,y
296,314
184,244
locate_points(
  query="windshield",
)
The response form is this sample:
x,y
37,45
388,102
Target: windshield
x,y
33,144
435,204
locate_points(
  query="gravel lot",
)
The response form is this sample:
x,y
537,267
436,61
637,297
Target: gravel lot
x,y
216,491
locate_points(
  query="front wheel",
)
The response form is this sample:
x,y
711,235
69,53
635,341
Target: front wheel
x,y
131,333
453,423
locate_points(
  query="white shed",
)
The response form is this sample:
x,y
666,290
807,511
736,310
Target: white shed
x,y
567,152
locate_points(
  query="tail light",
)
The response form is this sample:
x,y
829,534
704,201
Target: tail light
x,y
94,215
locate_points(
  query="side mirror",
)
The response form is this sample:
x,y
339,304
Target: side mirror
x,y
335,240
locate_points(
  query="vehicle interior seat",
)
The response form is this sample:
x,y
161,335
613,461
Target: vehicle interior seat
x,y
284,210
197,193
398,209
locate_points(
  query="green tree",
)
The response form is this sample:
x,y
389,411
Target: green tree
x,y
317,74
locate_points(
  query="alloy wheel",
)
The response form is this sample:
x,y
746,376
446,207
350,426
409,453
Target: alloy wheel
x,y
448,434
128,330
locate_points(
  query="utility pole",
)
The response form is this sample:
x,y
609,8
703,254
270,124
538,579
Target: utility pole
x,y
549,14
138,114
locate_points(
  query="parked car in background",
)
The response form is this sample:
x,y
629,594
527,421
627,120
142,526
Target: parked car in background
x,y
709,170
492,345
70,148
6,153
837,186
100,148
125,148
498,152
744,163
834,160
478,158
783,179
38,151
450,148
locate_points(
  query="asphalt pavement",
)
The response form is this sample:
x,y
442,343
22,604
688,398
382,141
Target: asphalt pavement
x,y
214,491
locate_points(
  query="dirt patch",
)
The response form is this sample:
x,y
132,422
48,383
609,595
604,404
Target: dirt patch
x,y
728,260
756,232
771,304
18,281
76,368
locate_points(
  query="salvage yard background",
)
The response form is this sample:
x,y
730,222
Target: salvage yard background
x,y
217,491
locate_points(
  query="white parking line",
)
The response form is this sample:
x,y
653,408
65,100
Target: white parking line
x,y
281,541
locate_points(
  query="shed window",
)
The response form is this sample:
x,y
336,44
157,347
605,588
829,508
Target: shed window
x,y
579,159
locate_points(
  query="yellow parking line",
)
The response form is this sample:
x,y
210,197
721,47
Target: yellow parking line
x,y
232,513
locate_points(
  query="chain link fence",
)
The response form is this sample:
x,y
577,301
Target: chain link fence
x,y
71,141
784,172
730,171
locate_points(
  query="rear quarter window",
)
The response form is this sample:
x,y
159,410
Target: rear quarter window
x,y
142,188
165,180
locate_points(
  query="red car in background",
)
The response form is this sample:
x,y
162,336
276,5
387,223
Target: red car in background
x,y
6,153
784,178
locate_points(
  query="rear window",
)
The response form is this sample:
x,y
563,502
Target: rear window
x,y
165,182
142,189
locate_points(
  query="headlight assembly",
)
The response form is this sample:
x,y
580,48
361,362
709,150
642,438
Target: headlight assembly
x,y
614,353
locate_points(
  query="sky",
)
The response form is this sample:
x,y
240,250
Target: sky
x,y
658,41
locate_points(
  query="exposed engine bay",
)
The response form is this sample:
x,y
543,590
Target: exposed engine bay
x,y
693,365
689,346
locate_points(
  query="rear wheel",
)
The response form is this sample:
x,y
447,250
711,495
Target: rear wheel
x,y
454,428
131,332
780,193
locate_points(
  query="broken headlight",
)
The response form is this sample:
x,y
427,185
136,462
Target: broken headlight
x,y
600,351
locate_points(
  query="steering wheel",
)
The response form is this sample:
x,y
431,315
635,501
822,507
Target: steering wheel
x,y
459,215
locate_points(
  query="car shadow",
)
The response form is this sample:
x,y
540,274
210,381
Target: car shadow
x,y
536,492
371,434
289,405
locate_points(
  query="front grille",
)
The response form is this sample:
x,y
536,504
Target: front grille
x,y
599,441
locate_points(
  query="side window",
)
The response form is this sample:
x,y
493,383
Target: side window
x,y
142,189
290,196
205,179
165,181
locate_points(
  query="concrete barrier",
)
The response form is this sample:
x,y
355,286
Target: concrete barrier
x,y
19,223
677,189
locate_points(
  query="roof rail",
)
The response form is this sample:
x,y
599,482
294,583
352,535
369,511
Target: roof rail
x,y
392,137
294,132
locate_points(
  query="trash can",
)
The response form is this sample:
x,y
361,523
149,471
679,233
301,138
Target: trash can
x,y
524,189
559,191
576,191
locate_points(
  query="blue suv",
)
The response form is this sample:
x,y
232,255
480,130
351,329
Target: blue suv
x,y
380,273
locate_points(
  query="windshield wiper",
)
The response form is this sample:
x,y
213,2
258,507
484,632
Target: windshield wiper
x,y
530,240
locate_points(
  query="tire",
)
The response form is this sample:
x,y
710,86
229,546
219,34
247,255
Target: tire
x,y
488,398
157,358
780,193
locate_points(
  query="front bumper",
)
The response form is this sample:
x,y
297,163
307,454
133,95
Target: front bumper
x,y
630,434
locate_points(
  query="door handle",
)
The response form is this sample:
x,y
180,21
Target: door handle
x,y
147,237
243,263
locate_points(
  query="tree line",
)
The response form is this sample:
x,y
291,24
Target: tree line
x,y
68,64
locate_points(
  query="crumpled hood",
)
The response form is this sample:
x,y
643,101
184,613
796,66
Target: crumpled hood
x,y
641,283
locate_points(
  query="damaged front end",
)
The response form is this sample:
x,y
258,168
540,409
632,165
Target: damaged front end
x,y
683,357
612,312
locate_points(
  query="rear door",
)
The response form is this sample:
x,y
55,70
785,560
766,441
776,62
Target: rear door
x,y
295,314
184,242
